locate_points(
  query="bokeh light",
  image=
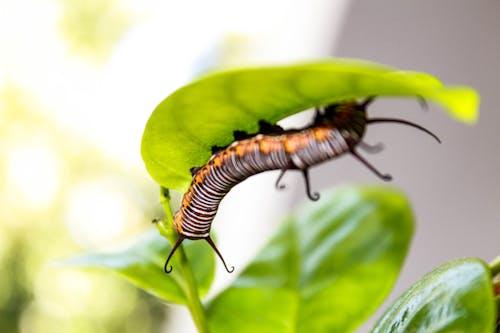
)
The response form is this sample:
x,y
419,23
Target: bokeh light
x,y
98,213
33,174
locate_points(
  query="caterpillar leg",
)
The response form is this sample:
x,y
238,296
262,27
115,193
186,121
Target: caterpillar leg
x,y
277,184
194,170
423,103
318,114
372,149
241,135
385,177
264,128
216,149
367,101
314,196
268,128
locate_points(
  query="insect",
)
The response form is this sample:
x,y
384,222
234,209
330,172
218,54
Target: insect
x,y
337,129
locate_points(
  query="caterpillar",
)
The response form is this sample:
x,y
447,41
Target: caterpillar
x,y
336,129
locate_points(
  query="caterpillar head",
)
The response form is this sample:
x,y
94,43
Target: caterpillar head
x,y
342,115
352,115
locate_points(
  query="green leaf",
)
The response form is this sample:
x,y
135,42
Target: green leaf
x,y
326,270
204,113
495,266
142,264
455,297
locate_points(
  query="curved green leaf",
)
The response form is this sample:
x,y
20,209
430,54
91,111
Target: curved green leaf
x,y
455,297
142,264
327,269
204,113
495,266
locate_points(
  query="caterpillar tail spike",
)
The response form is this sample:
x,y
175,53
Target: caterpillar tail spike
x,y
209,241
372,149
177,244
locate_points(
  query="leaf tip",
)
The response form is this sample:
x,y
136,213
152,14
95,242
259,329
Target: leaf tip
x,y
463,103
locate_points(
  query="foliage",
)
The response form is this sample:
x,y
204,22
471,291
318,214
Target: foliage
x,y
340,256
455,297
140,261
332,263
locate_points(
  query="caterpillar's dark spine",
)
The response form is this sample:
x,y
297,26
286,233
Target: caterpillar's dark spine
x,y
335,131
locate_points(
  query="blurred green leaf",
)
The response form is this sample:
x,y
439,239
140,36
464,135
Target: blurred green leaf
x,y
455,297
327,269
93,27
142,264
204,113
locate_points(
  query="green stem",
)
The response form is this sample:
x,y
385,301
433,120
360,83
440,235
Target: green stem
x,y
190,287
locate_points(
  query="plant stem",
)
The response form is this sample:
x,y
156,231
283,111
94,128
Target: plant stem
x,y
190,288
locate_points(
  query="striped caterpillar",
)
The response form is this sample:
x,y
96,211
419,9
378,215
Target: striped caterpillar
x,y
336,129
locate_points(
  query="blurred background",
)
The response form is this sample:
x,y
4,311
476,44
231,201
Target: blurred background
x,y
78,80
